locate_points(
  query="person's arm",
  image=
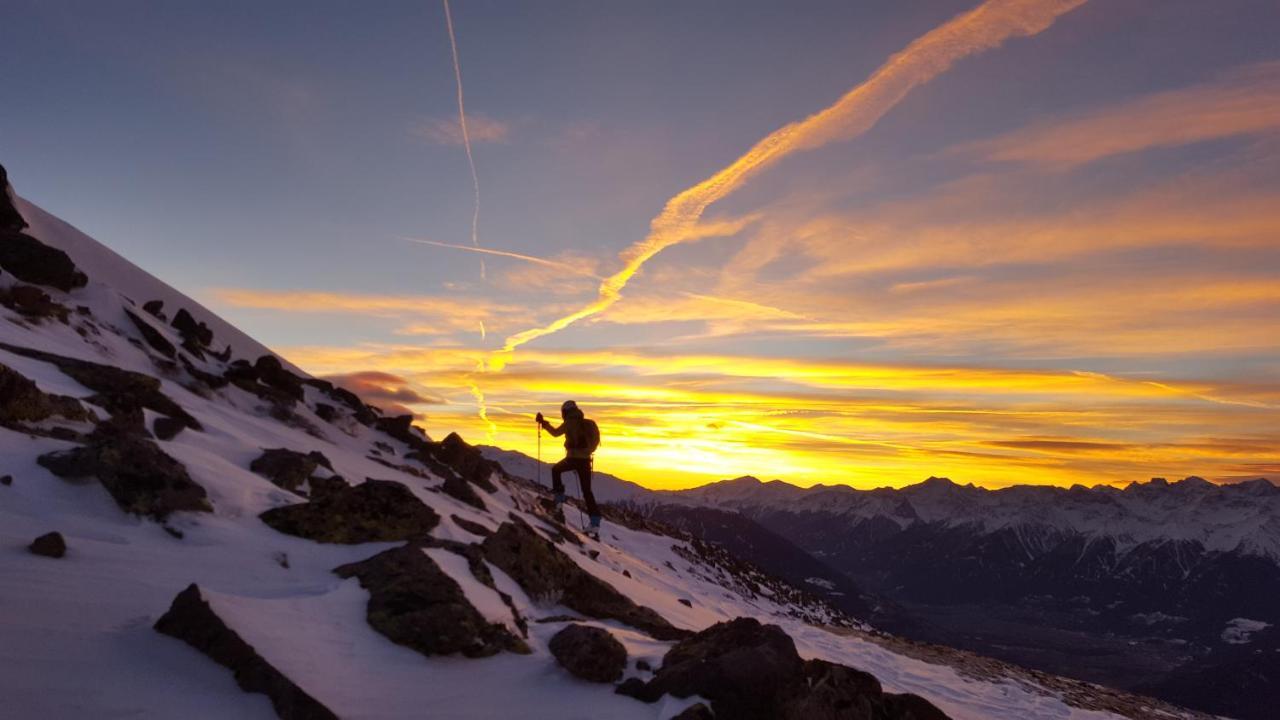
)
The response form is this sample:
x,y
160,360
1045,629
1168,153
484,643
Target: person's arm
x,y
555,431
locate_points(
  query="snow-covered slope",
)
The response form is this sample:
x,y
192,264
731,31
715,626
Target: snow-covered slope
x,y
145,517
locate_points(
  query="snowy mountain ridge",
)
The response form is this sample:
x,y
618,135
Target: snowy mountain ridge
x,y
176,502
1244,517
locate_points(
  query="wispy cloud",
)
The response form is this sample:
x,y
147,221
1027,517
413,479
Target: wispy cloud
x,y
1244,102
448,131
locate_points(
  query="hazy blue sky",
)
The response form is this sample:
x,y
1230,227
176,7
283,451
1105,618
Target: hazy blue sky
x,y
1094,200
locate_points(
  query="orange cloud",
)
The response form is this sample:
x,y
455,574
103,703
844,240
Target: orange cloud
x,y
980,29
1245,102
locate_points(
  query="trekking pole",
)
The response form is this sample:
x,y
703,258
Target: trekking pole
x,y
582,523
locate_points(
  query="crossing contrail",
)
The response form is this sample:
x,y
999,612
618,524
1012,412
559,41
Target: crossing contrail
x,y
983,28
466,136
574,269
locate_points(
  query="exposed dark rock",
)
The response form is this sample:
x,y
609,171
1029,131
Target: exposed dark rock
x,y
685,602
213,382
590,653
474,528
546,573
167,428
154,338
326,412
751,671
698,711
376,510
467,461
140,476
401,428
173,531
457,488
22,401
188,328
191,620
154,308
33,303
288,468
272,373
117,390
32,261
6,479
644,666
416,604
49,545
319,487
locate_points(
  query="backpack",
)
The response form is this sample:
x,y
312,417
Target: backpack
x,y
590,435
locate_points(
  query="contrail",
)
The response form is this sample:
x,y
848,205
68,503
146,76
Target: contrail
x,y
568,267
985,27
466,136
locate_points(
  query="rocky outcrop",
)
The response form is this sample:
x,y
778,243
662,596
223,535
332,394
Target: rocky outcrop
x,y
545,573
154,337
192,620
21,401
118,390
590,653
196,336
32,261
49,545
416,604
752,671
376,510
141,477
33,303
288,469
166,428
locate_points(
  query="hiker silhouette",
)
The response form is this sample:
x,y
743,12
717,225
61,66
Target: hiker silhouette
x,y
10,218
581,438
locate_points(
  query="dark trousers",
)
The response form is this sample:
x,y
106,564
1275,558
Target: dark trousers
x,y
582,466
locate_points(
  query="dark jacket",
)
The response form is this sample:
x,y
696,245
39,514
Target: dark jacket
x,y
575,444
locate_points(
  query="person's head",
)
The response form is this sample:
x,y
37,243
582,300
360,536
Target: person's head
x,y
569,408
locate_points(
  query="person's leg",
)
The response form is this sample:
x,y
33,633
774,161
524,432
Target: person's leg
x,y
588,497
557,485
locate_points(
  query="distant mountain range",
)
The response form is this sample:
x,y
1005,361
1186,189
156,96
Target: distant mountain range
x,y
1148,581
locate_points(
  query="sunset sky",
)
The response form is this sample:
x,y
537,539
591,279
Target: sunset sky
x,y
1025,241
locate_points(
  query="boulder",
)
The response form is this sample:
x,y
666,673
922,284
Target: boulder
x,y
154,337
33,303
34,262
697,711
272,373
192,620
117,390
154,308
374,511
752,671
416,604
590,653
468,462
197,333
141,477
6,479
21,401
167,428
288,469
49,545
547,574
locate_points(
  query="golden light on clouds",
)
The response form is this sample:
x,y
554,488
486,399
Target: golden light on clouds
x,y
1030,303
